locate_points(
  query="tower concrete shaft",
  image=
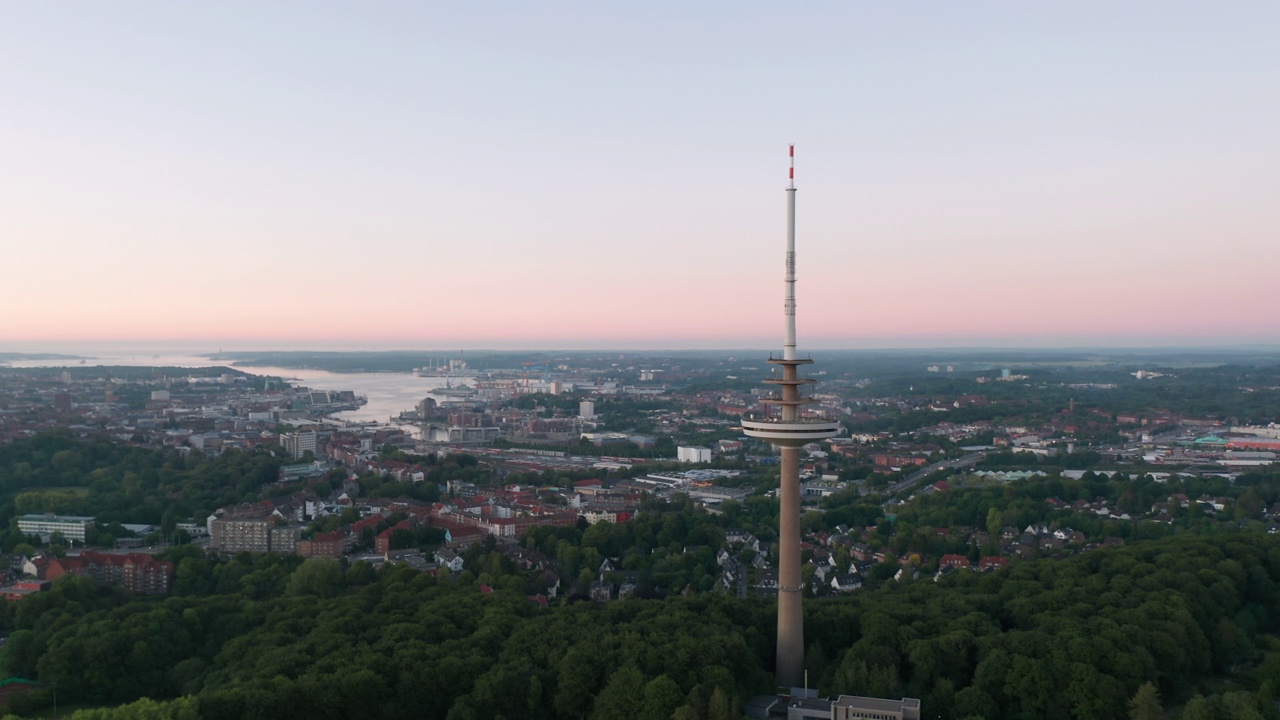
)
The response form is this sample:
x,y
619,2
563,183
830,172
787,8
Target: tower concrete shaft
x,y
790,659
790,666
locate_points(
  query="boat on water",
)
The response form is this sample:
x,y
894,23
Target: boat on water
x,y
454,392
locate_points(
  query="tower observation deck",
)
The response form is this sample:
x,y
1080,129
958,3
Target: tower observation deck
x,y
795,433
788,430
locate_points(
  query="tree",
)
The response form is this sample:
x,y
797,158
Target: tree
x,y
661,698
720,706
1249,505
462,708
145,709
168,523
1198,708
316,576
360,573
535,703
576,682
1145,704
1240,706
622,697
995,523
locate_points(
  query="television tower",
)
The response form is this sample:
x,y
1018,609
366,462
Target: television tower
x,y
788,431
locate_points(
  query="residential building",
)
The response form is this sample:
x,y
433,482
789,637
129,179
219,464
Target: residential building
x,y
252,534
136,572
285,539
258,534
601,591
298,443
447,558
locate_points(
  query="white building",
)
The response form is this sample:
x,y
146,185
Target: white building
x,y
806,705
587,410
449,559
595,516
693,454
72,527
298,443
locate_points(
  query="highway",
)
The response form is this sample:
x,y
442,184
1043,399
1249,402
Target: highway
x,y
915,477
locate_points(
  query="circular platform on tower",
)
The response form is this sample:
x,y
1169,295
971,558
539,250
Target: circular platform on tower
x,y
790,433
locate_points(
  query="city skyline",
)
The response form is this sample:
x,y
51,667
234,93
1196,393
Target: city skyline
x,y
582,177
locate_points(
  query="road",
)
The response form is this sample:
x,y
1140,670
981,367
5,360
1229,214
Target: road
x,y
915,477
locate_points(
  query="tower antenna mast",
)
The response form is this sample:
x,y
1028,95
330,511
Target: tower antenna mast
x,y
789,345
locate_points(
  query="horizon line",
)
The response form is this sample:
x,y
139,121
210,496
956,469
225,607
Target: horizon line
x,y
122,346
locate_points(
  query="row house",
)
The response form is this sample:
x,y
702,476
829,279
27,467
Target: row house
x,y
136,572
894,460
398,471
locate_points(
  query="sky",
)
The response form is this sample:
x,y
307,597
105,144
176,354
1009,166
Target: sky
x,y
606,174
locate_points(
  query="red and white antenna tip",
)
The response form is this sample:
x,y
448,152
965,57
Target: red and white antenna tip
x,y
792,176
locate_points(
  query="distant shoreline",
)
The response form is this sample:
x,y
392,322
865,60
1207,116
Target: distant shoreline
x,y
6,356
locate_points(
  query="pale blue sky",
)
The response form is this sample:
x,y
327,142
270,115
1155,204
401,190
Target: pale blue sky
x,y
611,174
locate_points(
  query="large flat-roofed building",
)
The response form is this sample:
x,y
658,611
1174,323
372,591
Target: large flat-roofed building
x,y
253,535
807,706
72,527
297,444
853,707
284,540
693,454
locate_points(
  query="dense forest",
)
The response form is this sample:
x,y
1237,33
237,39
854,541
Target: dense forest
x,y
1189,613
277,637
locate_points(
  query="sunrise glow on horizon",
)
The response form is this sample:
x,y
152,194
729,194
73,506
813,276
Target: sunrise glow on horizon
x,y
401,176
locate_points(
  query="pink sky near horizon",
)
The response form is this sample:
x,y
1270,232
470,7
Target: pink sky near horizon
x,y
613,177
